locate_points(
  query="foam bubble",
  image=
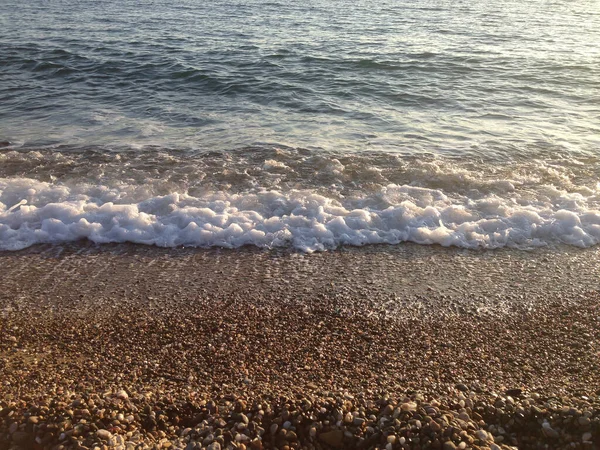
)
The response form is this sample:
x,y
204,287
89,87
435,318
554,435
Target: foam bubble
x,y
33,211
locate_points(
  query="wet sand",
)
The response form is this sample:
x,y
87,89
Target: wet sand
x,y
183,342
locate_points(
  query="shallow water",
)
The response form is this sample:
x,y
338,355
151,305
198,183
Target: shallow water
x,y
471,124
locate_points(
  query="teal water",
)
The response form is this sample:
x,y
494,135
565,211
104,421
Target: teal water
x,y
313,124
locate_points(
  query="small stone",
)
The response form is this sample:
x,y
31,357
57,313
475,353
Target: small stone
x,y
104,434
482,435
449,445
334,438
586,437
514,392
435,427
13,427
495,447
409,406
122,395
33,419
462,387
549,431
287,424
291,436
220,423
584,421
214,446
358,421
391,439
240,405
274,428
388,410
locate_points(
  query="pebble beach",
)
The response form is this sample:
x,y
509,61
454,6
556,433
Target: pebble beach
x,y
135,347
321,225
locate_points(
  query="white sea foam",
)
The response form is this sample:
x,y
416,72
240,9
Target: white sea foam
x,y
34,212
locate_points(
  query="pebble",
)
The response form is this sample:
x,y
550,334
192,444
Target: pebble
x,y
549,431
104,434
454,423
586,437
482,435
122,395
584,421
409,406
358,421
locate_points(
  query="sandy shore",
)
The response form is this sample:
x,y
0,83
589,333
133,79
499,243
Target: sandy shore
x,y
377,347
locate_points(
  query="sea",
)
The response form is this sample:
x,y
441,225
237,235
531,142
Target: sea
x,y
308,125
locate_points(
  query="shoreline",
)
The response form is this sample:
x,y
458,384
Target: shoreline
x,y
145,332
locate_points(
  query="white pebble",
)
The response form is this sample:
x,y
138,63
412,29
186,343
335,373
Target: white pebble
x,y
122,395
409,406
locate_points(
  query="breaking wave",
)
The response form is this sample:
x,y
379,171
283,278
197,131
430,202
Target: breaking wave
x,y
390,200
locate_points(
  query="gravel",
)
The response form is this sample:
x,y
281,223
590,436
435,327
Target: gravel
x,y
129,347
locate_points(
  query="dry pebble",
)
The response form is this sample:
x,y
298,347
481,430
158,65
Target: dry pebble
x,y
193,424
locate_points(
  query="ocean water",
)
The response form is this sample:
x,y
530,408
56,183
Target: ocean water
x,y
305,124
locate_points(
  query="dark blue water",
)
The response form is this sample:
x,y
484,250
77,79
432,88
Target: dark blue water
x,y
312,124
460,77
